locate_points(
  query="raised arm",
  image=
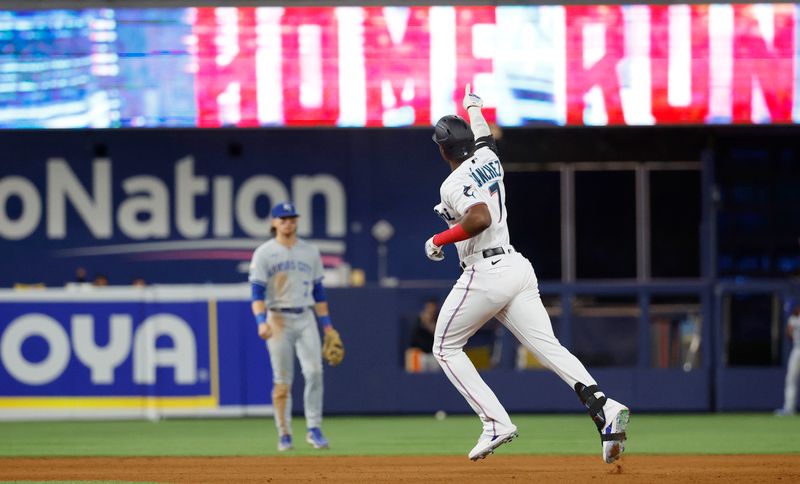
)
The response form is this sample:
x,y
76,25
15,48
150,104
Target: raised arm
x,y
473,105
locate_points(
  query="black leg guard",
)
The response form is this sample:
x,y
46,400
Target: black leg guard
x,y
592,403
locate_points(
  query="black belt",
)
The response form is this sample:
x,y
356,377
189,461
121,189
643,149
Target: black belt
x,y
288,310
489,253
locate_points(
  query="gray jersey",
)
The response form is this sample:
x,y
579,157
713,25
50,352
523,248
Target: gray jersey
x,y
289,274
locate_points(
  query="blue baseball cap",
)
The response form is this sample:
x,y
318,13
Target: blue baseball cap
x,y
284,209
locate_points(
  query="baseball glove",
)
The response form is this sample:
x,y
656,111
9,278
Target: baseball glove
x,y
332,348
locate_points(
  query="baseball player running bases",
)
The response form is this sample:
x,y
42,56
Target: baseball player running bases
x,y
286,281
497,282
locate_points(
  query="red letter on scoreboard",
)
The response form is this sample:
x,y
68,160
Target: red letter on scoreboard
x,y
603,73
467,65
697,109
771,63
213,79
317,66
398,64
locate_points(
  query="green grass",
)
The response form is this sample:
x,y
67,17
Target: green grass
x,y
420,435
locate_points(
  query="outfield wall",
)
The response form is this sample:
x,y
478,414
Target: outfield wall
x,y
193,351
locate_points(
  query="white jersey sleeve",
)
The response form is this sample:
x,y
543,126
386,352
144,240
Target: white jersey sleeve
x,y
459,195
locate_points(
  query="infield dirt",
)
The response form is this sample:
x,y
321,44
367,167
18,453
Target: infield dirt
x,y
334,469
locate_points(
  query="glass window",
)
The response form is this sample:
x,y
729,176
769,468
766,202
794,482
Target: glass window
x,y
752,329
605,224
534,210
675,223
675,332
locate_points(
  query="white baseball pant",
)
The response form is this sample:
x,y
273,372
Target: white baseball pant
x,y
792,374
507,290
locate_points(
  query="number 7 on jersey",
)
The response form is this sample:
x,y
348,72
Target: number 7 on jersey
x,y
495,188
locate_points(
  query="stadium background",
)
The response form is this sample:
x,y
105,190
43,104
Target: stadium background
x,y
652,177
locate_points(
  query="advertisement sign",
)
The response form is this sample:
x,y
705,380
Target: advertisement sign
x,y
179,350
181,207
53,348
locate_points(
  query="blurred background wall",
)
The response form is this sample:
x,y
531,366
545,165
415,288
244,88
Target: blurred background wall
x,y
651,165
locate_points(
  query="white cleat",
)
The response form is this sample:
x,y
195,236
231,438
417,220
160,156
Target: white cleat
x,y
613,434
488,443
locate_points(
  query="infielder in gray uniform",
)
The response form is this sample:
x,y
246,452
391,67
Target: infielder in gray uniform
x,y
793,366
497,282
286,279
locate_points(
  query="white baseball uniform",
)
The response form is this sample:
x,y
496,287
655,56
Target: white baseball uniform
x,y
793,368
289,274
497,282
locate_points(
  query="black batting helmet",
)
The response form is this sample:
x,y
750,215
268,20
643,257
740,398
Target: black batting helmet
x,y
454,137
